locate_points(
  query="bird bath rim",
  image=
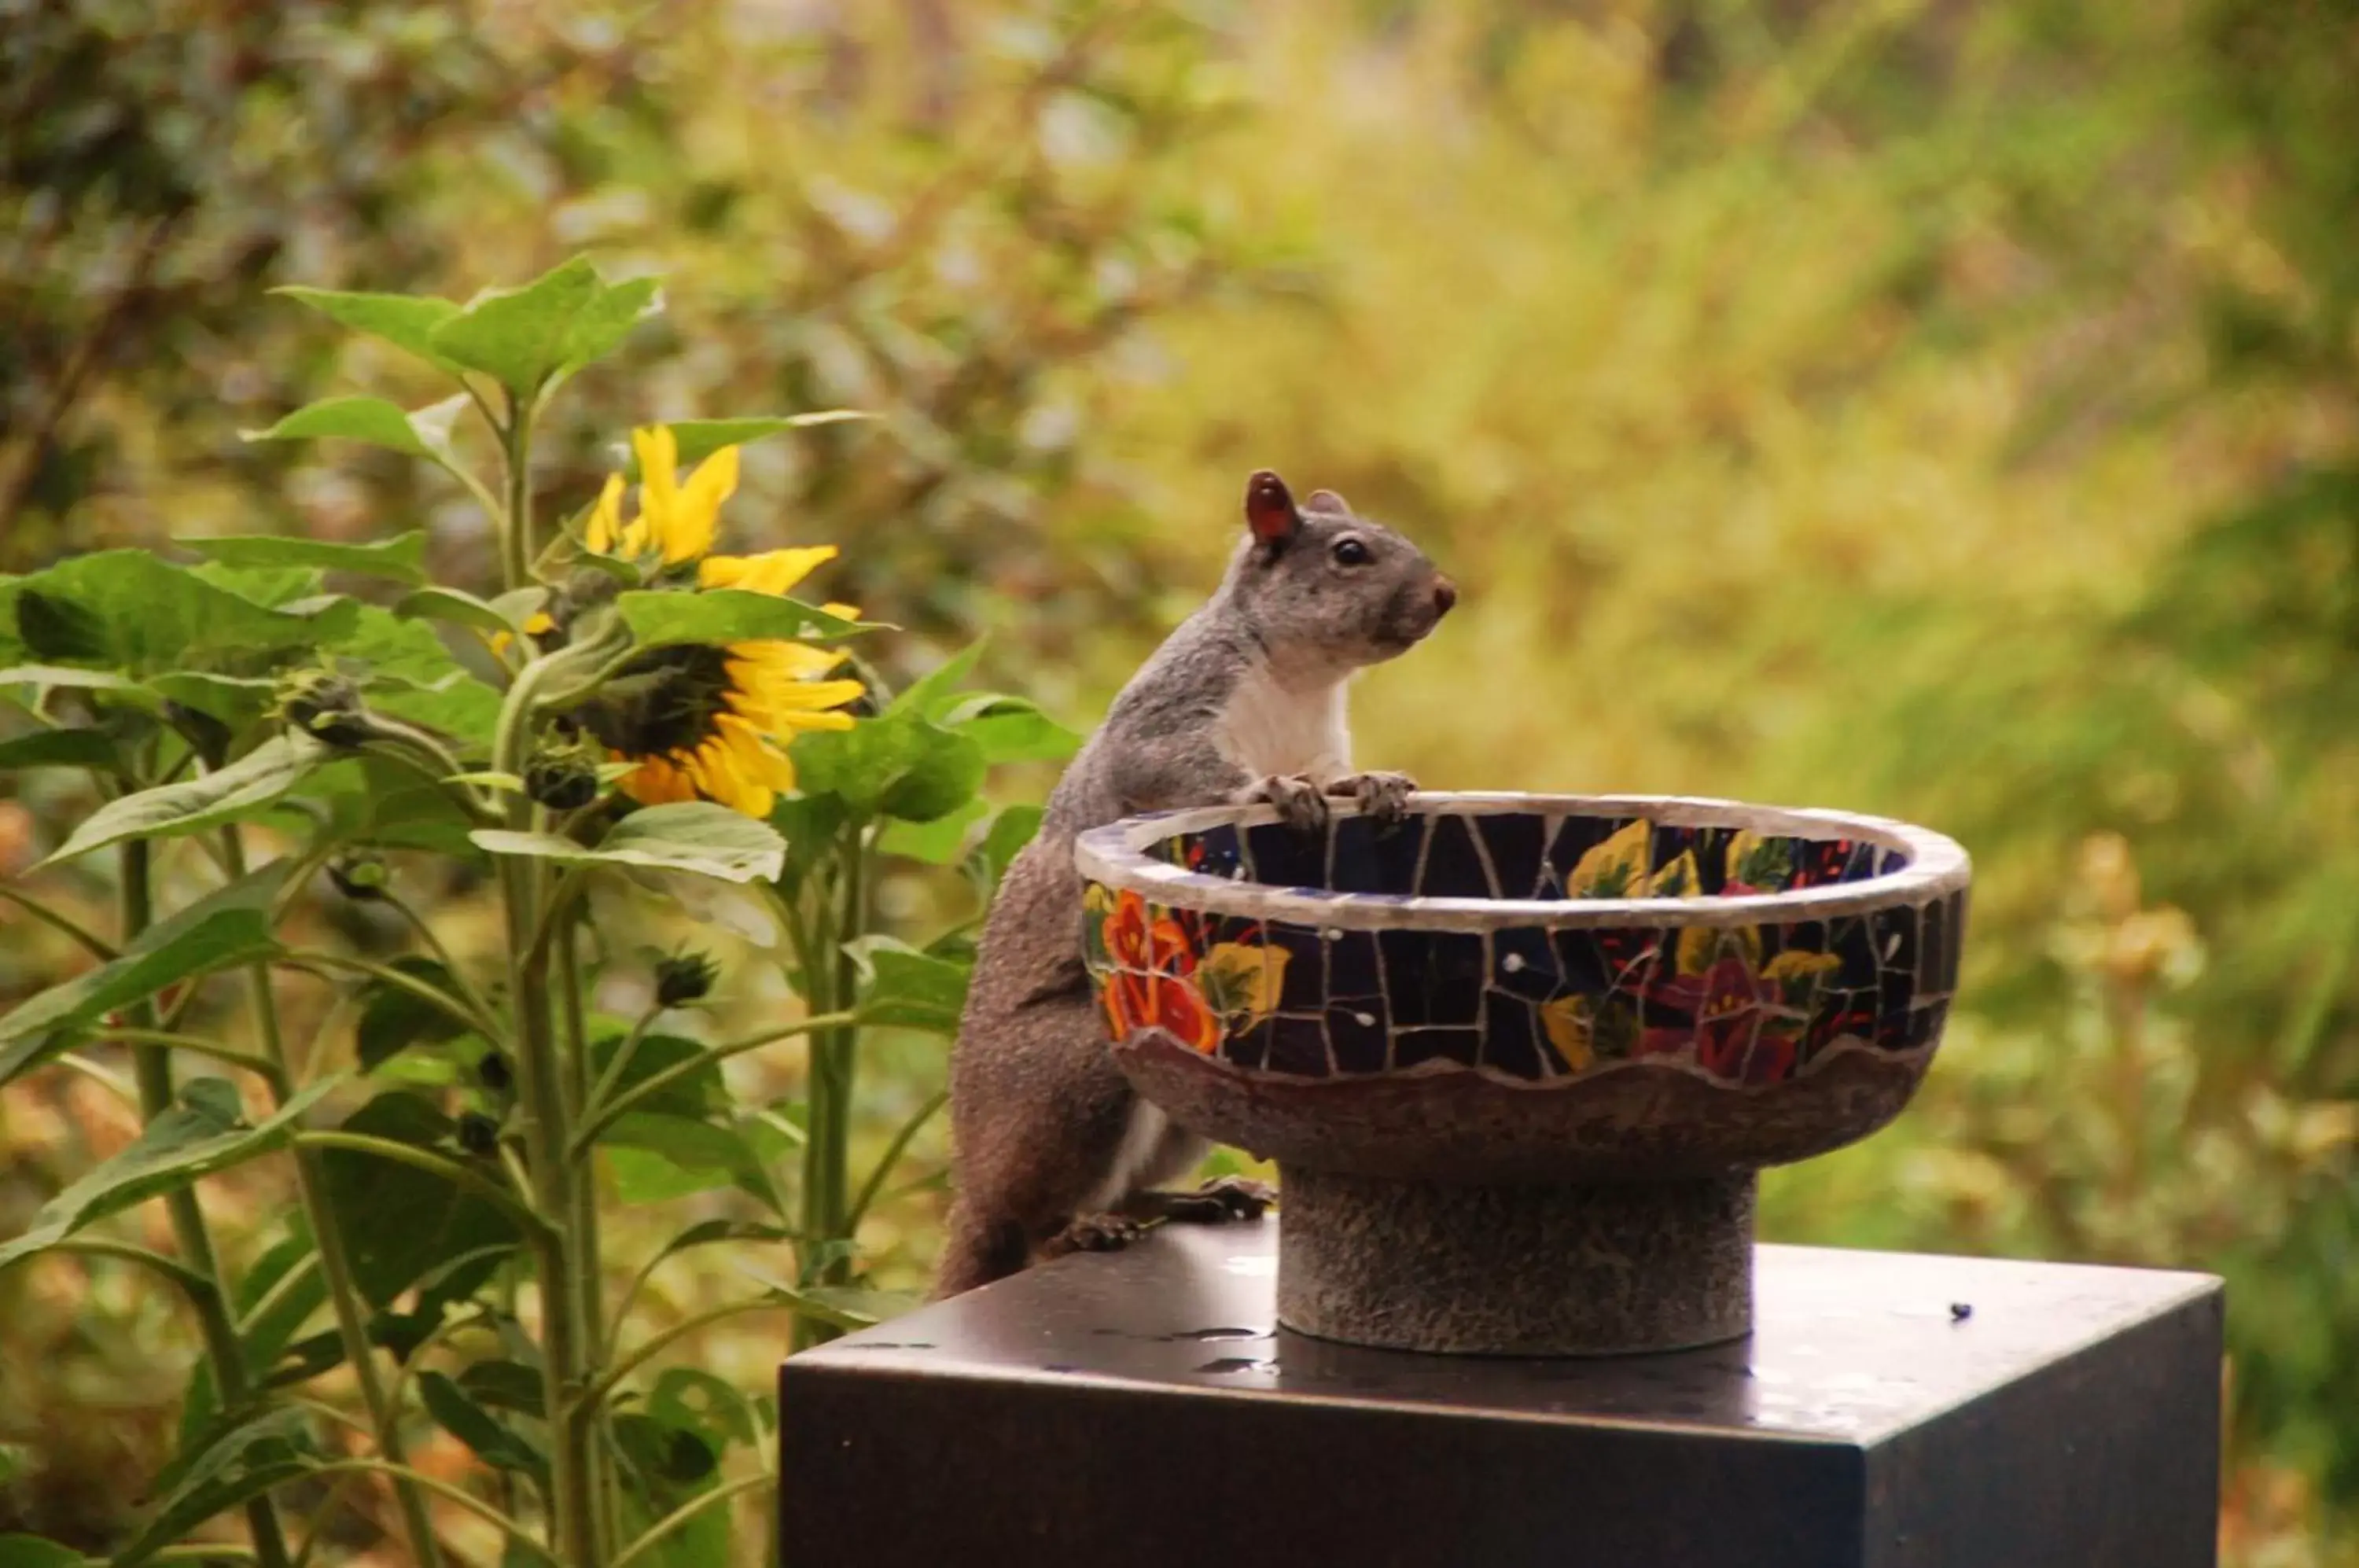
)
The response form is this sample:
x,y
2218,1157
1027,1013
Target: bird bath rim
x,y
1118,857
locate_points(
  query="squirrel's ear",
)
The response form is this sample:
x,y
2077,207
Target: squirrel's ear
x,y
1328,502
1269,508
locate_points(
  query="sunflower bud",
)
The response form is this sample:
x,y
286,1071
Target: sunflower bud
x,y
563,778
683,979
325,706
363,876
206,735
479,1134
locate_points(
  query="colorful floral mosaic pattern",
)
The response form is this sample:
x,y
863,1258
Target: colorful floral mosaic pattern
x,y
1747,1004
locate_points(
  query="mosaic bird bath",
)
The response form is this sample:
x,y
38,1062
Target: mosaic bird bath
x,y
1521,1058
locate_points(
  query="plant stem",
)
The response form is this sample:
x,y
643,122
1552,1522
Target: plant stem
x,y
604,1113
443,1488
827,1156
515,527
91,943
688,1510
543,1079
534,1223
327,1240
589,1279
152,1065
229,1056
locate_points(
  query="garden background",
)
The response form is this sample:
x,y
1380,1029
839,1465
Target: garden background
x,y
1936,408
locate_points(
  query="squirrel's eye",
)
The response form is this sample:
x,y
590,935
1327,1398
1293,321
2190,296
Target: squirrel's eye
x,y
1349,552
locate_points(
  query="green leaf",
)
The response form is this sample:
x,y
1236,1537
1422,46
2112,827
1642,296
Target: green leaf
x,y
1012,730
695,1093
908,989
32,1551
936,691
229,927
602,324
203,1132
508,612
42,675
374,420
411,674
900,764
687,1156
688,836
505,1386
496,1445
404,321
265,1337
705,1232
139,614
240,790
712,1407
392,1019
699,439
401,558
244,1461
1010,832
80,747
521,337
938,843
861,1304
382,804
399,1223
729,615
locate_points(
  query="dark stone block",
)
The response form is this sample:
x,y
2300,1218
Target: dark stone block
x,y
1145,1408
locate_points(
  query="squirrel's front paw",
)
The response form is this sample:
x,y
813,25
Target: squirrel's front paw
x,y
1300,803
1382,796
1095,1233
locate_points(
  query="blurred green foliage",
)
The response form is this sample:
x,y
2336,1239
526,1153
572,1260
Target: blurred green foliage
x,y
1943,409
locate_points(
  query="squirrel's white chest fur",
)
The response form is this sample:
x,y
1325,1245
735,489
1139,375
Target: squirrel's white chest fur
x,y
1270,727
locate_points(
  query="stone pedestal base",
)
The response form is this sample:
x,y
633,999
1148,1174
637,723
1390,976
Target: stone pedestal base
x,y
1600,1269
1145,1408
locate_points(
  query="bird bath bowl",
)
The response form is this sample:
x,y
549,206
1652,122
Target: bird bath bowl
x,y
1521,1058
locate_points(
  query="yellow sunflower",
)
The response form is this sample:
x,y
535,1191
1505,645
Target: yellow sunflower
x,y
710,722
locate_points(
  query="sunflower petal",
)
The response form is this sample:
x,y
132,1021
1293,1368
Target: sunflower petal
x,y
696,515
773,572
605,529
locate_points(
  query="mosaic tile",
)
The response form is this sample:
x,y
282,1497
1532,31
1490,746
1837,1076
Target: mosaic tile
x,y
1298,1045
1411,1046
1368,858
1933,953
1511,1038
1524,964
1849,938
1303,987
1352,971
1453,866
1517,850
1249,1046
1576,836
1284,858
1432,977
1358,1035
1896,953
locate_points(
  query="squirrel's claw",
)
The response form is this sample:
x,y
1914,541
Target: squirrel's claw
x,y
1300,803
1094,1233
1382,796
1222,1198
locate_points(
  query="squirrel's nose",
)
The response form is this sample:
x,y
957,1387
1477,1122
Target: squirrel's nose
x,y
1445,594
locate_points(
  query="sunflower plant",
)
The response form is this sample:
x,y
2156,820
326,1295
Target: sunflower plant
x,y
632,703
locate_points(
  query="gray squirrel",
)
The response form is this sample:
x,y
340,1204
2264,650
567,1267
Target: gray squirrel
x,y
1245,701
